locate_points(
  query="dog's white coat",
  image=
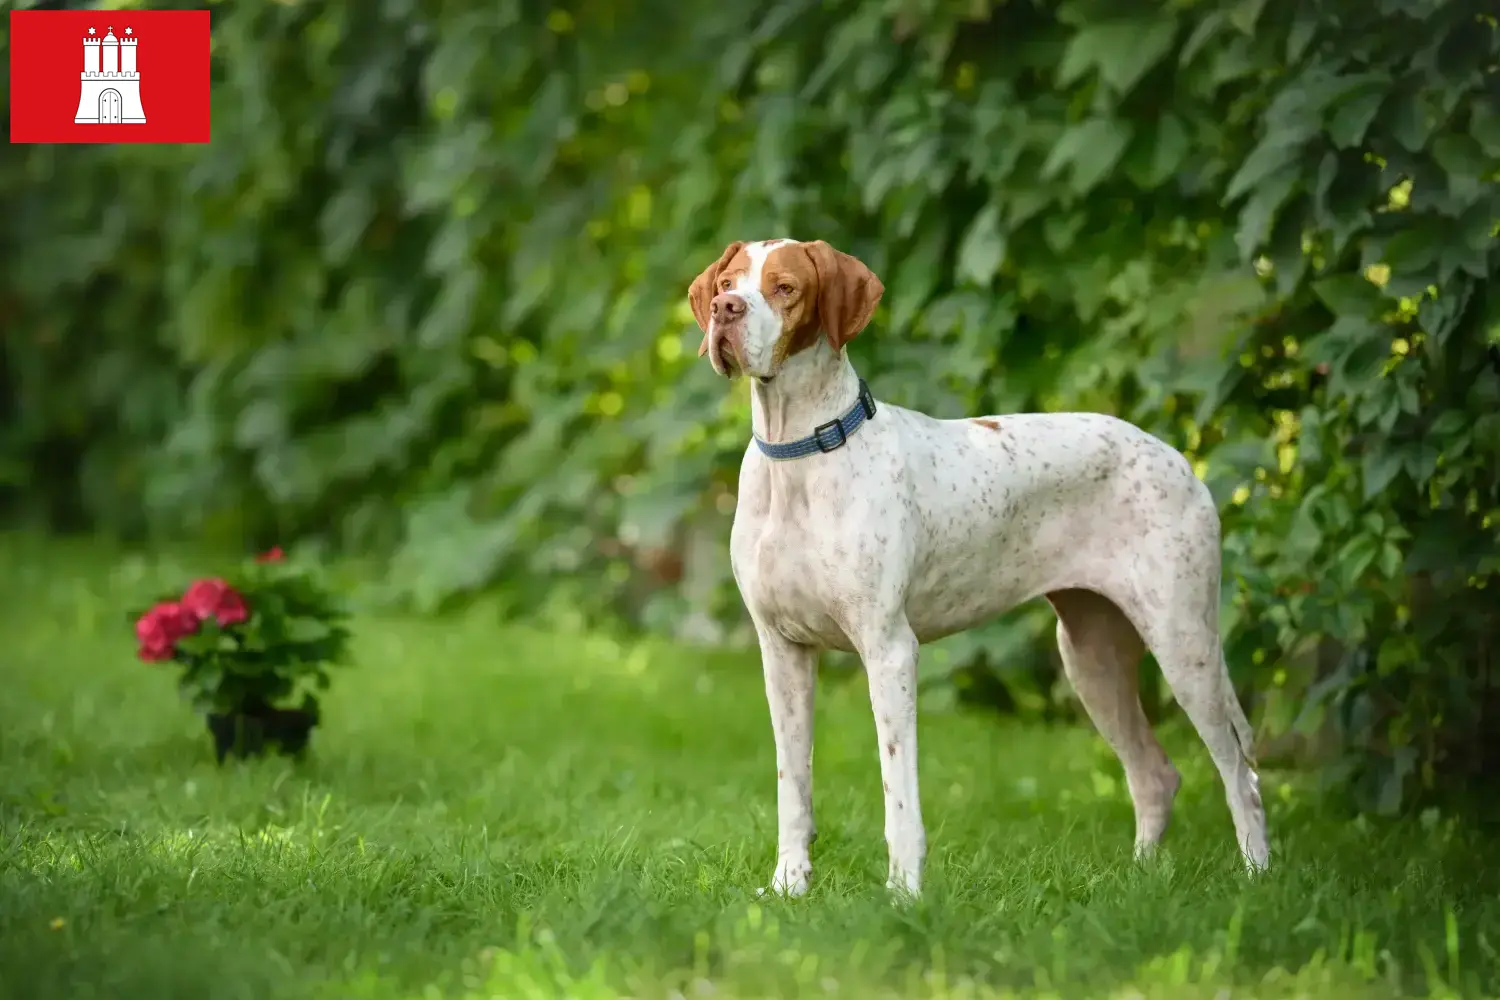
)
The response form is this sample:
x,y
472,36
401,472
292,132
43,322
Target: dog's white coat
x,y
918,528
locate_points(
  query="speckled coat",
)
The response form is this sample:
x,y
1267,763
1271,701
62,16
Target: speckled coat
x,y
917,528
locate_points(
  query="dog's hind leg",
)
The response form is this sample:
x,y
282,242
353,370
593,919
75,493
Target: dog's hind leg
x,y
1101,653
1182,629
1194,668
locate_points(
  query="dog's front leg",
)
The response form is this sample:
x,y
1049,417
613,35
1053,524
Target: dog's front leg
x,y
891,666
791,673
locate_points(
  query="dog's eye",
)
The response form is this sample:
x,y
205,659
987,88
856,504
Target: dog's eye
x,y
724,284
784,289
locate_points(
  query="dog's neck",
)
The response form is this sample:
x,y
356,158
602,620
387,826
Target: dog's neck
x,y
812,388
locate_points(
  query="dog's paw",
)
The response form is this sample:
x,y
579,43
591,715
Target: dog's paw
x,y
904,887
791,879
1154,860
1146,850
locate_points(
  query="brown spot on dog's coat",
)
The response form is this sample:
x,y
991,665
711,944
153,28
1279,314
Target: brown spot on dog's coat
x,y
890,749
993,425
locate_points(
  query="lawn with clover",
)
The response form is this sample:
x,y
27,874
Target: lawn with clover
x,y
490,811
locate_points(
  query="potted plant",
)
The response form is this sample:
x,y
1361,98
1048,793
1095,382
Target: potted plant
x,y
252,650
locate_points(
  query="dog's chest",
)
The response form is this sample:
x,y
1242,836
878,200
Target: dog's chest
x,y
805,557
799,585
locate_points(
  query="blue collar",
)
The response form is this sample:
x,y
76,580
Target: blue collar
x,y
825,437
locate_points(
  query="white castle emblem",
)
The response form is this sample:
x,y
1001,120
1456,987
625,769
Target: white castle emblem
x,y
111,93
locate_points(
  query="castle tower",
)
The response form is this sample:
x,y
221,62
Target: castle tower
x,y
127,53
110,92
111,52
90,54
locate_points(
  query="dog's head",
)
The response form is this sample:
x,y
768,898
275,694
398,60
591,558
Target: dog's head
x,y
761,303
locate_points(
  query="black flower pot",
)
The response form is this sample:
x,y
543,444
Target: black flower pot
x,y
254,730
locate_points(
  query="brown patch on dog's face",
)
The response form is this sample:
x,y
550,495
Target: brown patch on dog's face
x,y
815,288
706,285
789,283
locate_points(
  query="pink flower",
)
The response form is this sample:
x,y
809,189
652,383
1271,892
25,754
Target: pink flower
x,y
213,598
274,554
158,630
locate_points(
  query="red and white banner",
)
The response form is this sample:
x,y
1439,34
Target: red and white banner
x,y
109,76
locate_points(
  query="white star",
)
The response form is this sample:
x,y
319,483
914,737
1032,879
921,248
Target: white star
x,y
129,31
93,32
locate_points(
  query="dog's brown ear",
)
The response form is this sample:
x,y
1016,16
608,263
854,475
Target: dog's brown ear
x,y
848,293
701,291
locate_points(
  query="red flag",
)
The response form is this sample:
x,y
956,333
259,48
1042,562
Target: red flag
x,y
109,76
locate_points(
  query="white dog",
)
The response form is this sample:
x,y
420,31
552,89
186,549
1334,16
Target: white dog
x,y
872,528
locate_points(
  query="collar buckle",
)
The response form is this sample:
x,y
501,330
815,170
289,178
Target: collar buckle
x,y
832,425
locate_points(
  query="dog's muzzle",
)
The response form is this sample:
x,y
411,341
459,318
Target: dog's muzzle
x,y
726,336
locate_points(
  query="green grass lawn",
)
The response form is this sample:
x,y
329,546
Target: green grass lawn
x,y
493,812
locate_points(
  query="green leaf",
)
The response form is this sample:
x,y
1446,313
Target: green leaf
x,y
1409,253
1441,316
1465,163
1341,196
1484,126
1365,358
262,423
1421,462
1352,120
1209,25
1304,536
1449,424
205,680
1266,165
1092,148
1487,433
1348,294
1284,246
345,218
1122,51
1355,559
1309,446
982,251
911,289
305,629
1305,24
1409,119
198,644
1259,213
1397,650
1169,147
1245,14
1378,469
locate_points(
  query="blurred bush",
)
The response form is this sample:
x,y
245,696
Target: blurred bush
x,y
422,299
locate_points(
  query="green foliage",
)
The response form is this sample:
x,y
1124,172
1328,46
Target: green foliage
x,y
422,297
1366,551
288,630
